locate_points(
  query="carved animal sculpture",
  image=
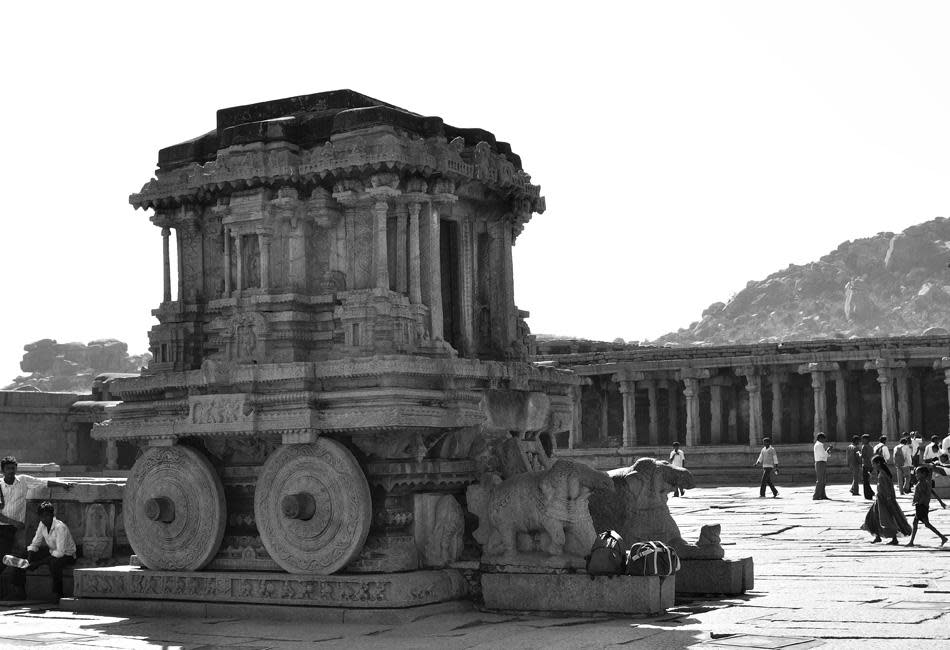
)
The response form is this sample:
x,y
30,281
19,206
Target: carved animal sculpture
x,y
550,506
639,511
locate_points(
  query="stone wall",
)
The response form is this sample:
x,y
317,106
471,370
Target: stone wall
x,y
33,425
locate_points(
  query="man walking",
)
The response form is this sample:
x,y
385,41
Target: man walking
x,y
677,459
903,463
13,489
854,463
821,465
880,449
866,455
768,458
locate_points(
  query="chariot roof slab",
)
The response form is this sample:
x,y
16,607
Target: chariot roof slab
x,y
326,136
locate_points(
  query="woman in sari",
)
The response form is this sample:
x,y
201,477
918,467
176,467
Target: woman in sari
x,y
885,518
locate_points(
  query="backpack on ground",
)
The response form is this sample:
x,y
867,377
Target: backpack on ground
x,y
652,559
606,555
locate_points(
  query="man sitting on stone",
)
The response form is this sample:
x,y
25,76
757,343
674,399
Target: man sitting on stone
x,y
13,489
52,545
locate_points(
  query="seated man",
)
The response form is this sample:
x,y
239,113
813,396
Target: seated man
x,y
52,545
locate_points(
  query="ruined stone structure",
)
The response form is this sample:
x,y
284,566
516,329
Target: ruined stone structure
x,y
735,395
339,352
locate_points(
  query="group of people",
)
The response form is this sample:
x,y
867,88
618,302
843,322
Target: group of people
x,y
52,544
914,464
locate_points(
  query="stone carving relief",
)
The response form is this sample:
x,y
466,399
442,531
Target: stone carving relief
x,y
638,508
97,533
411,445
537,518
245,338
439,525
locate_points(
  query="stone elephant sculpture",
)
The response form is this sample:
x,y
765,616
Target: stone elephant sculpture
x,y
537,514
638,508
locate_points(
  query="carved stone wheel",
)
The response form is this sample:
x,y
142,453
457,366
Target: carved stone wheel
x,y
174,509
313,507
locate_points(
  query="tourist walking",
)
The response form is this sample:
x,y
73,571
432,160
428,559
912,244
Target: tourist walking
x,y
854,463
903,464
768,458
821,465
880,449
922,494
884,517
13,489
866,455
678,459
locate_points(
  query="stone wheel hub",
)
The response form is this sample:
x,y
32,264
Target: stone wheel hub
x,y
312,507
174,509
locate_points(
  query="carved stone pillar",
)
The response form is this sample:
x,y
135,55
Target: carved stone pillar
x,y
628,389
577,434
227,261
902,384
402,278
820,403
415,258
715,413
754,388
435,274
179,236
511,315
381,245
672,393
888,418
263,244
654,413
166,266
691,392
885,377
690,378
112,455
841,405
818,372
776,379
239,251
297,249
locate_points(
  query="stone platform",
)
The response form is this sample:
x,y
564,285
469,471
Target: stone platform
x,y
730,577
370,591
549,592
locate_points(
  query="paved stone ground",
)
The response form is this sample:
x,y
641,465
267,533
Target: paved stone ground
x,y
819,582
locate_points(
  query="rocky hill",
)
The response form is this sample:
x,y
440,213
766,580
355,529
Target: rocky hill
x,y
885,285
71,367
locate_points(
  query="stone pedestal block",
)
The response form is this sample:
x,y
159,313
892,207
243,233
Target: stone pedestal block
x,y
350,591
578,592
715,576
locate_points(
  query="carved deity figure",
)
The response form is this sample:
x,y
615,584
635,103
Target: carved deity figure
x,y
537,516
638,508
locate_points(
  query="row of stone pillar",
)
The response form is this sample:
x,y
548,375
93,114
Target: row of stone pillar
x,y
892,376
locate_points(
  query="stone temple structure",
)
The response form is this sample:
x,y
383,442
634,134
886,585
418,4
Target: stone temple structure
x,y
338,355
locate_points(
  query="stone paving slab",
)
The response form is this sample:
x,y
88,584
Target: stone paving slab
x,y
818,583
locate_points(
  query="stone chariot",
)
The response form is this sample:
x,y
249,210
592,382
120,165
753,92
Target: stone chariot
x,y
337,356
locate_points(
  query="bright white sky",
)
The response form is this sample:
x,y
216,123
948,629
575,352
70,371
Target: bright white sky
x,y
684,147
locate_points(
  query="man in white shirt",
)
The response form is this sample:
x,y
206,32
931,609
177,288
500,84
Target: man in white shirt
x,y
821,465
52,545
677,459
13,491
945,445
880,449
768,458
931,453
903,461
